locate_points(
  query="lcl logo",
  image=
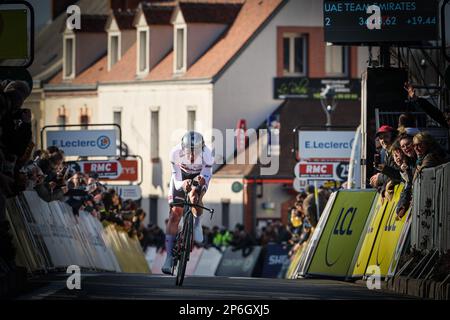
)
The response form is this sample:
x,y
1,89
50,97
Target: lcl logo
x,y
341,228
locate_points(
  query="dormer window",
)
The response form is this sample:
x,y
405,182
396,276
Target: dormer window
x,y
82,47
114,49
180,49
143,57
69,57
196,27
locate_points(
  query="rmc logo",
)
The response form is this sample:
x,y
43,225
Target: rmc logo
x,y
103,142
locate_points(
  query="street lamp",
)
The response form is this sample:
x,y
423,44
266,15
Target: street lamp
x,y
328,102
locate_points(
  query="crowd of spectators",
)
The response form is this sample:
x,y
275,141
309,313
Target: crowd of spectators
x,y
15,150
51,178
402,153
46,172
221,238
304,215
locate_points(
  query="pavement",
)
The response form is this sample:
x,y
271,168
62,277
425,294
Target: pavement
x,y
123,286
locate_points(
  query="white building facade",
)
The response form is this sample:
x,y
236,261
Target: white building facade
x,y
155,107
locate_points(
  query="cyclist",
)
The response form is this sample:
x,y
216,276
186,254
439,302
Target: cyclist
x,y
190,160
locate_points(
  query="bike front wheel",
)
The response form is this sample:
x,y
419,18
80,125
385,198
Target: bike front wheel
x,y
186,242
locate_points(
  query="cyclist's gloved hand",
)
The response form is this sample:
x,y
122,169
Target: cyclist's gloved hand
x,y
201,181
187,184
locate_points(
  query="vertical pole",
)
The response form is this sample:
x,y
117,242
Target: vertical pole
x,y
316,198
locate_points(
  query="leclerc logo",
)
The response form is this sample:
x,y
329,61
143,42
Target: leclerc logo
x,y
103,142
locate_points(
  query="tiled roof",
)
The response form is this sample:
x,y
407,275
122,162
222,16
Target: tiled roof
x,y
92,23
124,69
160,14
90,75
49,46
252,15
223,13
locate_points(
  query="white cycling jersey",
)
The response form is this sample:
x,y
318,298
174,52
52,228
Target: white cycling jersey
x,y
182,168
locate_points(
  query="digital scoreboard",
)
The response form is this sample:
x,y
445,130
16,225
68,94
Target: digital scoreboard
x,y
359,22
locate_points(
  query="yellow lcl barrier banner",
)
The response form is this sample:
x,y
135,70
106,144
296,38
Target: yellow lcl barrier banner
x,y
369,236
127,250
335,250
294,263
381,237
295,260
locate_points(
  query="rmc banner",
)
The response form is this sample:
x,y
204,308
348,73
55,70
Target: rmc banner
x,y
339,234
84,142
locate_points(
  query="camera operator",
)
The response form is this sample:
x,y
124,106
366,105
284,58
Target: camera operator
x,y
54,185
15,135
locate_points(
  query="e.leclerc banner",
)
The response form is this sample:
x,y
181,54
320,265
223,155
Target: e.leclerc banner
x,y
339,240
326,146
84,142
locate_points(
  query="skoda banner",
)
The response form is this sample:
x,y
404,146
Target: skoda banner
x,y
276,256
84,142
239,263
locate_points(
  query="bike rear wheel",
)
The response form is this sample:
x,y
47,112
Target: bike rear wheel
x,y
185,246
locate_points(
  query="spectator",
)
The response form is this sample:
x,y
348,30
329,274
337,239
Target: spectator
x,y
324,195
407,172
269,234
300,196
423,105
447,116
242,240
429,153
283,234
406,120
138,223
393,172
15,144
309,206
386,136
222,239
295,221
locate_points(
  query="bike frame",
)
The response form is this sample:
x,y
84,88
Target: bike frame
x,y
185,239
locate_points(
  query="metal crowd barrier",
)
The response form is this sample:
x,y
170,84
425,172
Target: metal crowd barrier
x,y
49,237
430,228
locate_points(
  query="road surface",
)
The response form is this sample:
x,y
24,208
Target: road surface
x,y
138,286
